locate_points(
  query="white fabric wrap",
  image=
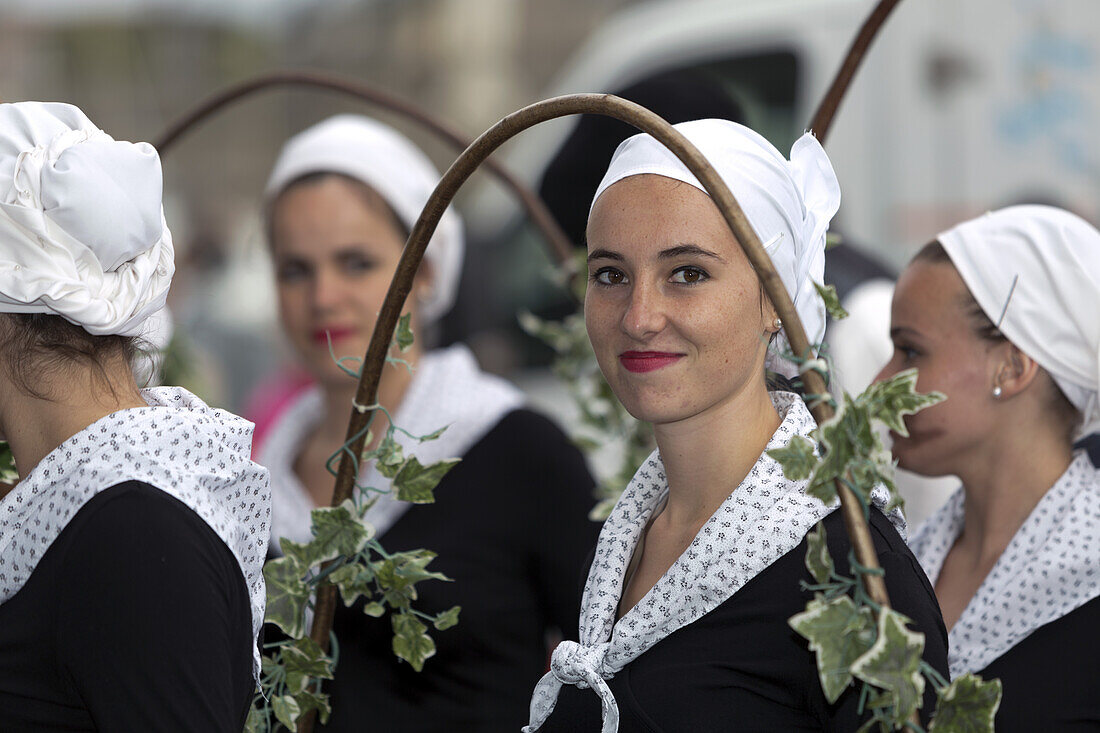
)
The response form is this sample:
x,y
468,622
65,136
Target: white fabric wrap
x,y
195,453
1049,568
447,389
789,203
1035,272
379,156
82,229
774,513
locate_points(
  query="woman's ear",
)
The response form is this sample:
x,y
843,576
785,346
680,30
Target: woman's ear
x,y
1015,372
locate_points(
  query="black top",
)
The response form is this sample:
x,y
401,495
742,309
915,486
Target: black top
x,y
136,618
510,526
741,668
1049,679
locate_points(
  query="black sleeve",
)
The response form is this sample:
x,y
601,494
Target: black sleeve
x,y
910,593
560,535
154,625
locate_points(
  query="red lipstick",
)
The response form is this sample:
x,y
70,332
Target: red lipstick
x,y
321,336
647,361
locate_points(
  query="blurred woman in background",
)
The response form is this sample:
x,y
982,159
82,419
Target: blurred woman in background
x,y
683,622
509,522
1002,314
131,590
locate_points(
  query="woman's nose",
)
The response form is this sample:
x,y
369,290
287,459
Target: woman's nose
x,y
645,313
326,292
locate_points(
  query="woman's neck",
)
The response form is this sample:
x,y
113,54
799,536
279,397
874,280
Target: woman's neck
x,y
707,456
34,426
339,397
1004,483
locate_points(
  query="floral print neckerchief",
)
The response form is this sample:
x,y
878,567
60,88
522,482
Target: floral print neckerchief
x,y
764,518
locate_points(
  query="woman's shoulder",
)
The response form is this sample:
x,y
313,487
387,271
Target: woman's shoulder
x,y
528,432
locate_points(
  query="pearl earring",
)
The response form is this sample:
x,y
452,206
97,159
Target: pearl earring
x,y
778,323
997,391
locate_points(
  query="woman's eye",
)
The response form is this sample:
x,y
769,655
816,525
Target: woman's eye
x,y
608,276
291,272
688,275
359,264
907,352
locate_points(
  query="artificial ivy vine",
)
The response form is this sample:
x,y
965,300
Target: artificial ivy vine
x,y
344,552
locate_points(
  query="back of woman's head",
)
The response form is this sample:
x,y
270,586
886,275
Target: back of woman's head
x,y
383,165
86,254
1033,276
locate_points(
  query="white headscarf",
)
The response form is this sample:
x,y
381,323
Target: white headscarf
x,y
1035,272
788,203
82,229
382,158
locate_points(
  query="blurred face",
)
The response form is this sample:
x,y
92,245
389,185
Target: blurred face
x,y
335,252
932,331
673,308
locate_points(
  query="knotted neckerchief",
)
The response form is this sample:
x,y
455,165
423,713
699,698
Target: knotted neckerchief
x,y
447,389
194,453
764,518
1050,568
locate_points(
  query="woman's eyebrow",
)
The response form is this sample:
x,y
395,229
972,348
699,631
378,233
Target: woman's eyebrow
x,y
688,249
604,254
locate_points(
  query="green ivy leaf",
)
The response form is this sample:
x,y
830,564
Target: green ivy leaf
x,y
8,473
389,456
304,662
832,239
338,531
286,710
893,663
797,458
416,483
353,580
313,700
374,609
818,560
891,400
410,640
404,334
287,595
302,555
832,301
434,435
447,619
256,722
838,632
967,705
411,567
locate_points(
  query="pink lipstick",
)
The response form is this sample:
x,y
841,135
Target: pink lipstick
x,y
647,361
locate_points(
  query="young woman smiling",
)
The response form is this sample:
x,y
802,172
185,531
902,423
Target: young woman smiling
x,y
1002,314
683,621
509,522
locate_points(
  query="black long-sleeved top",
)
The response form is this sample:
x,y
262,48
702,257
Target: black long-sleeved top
x,y
136,618
510,526
740,668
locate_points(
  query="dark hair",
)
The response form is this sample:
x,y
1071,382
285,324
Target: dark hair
x,y
984,328
371,198
37,345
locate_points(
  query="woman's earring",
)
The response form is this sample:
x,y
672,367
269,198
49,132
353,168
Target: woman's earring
x,y
997,391
778,323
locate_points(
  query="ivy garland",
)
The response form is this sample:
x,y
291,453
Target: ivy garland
x,y
344,552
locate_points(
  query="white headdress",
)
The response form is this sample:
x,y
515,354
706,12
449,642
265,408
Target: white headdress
x,y
397,170
82,230
1035,272
788,202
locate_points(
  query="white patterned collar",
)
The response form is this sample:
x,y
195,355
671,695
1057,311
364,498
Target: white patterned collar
x,y
447,388
764,518
1049,568
194,453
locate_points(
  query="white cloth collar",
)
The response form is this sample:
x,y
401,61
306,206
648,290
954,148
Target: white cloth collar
x,y
1050,568
764,518
447,388
194,453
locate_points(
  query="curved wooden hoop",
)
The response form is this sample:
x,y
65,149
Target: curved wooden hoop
x,y
823,118
456,175
560,247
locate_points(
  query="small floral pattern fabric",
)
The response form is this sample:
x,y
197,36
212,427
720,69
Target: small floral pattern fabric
x,y
764,518
195,453
1050,568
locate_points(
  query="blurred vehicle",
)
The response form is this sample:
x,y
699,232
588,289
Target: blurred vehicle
x,y
960,107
